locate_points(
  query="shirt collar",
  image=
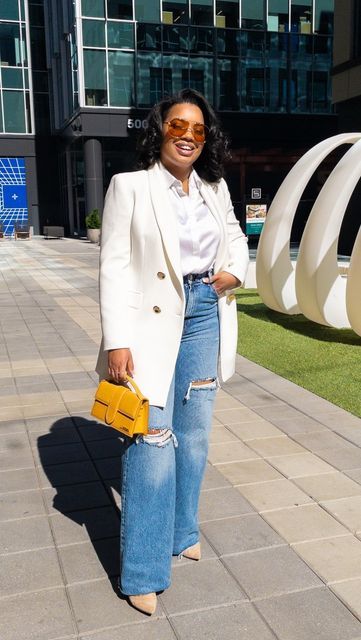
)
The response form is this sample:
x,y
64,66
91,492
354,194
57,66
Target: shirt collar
x,y
172,181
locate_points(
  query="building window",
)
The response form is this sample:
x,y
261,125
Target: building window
x,y
278,16
301,16
228,92
253,14
121,78
12,78
95,78
175,39
228,42
120,35
227,13
9,10
201,75
120,10
201,40
93,33
14,112
148,37
324,16
147,10
11,48
175,12
178,65
93,8
202,12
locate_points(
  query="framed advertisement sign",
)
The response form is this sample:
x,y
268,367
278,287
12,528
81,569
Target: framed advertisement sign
x,y
255,218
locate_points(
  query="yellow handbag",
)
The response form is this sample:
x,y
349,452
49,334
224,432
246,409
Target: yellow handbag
x,y
121,408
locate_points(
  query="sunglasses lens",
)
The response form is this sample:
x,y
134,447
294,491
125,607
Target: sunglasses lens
x,y
199,132
177,128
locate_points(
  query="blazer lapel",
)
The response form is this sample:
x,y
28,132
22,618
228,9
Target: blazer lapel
x,y
212,201
167,223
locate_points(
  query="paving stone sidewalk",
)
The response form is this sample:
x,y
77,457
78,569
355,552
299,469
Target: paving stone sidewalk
x,y
280,509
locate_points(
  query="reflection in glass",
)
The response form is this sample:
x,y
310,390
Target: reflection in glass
x,y
228,42
120,10
14,112
93,8
178,65
276,63
301,86
120,35
253,84
201,40
227,13
175,12
148,36
10,45
121,78
321,92
93,33
252,14
301,16
202,12
94,77
12,78
322,63
149,78
324,16
147,11
228,92
9,10
175,38
201,75
278,16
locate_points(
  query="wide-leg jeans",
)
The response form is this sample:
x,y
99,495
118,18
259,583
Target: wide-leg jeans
x,y
162,474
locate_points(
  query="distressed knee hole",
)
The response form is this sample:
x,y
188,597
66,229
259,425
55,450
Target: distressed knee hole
x,y
201,385
158,437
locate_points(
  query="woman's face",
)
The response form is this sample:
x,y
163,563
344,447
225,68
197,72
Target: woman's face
x,y
179,154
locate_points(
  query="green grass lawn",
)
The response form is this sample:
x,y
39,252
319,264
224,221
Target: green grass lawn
x,y
321,359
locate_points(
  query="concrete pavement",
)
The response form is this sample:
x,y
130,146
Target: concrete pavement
x,y
280,509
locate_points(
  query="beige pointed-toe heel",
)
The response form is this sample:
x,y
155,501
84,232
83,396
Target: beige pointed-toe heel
x,y
146,603
193,552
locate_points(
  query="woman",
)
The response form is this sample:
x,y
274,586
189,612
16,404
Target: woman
x,y
171,251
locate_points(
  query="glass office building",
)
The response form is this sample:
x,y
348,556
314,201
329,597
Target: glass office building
x,y
265,65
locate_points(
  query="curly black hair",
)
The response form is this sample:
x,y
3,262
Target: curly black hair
x,y
210,164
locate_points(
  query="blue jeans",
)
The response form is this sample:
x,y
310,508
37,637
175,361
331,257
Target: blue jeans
x,y
162,474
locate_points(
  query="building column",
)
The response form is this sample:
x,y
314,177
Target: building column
x,y
93,175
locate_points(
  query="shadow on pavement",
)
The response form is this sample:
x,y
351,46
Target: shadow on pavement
x,y
81,459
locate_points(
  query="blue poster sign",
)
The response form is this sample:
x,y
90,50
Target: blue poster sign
x,y
13,200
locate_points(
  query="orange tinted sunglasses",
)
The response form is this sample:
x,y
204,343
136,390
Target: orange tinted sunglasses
x,y
178,127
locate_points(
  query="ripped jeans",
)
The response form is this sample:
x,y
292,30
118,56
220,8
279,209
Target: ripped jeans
x,y
162,473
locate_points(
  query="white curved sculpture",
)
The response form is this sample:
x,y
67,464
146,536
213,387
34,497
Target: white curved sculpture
x,y
353,288
320,290
274,271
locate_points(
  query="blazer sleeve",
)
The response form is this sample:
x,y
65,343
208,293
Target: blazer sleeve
x,y
114,263
237,240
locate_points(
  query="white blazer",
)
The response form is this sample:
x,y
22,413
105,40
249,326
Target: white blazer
x,y
141,285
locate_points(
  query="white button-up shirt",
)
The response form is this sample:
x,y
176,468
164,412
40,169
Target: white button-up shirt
x,y
198,230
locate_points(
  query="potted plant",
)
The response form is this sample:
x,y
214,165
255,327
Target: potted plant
x,y
93,223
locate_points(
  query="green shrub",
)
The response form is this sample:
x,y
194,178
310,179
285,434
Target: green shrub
x,y
92,221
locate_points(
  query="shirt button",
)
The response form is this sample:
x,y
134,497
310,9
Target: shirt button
x,y
161,275
156,309
230,298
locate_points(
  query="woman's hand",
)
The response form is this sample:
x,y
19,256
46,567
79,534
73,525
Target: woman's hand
x,y
222,281
120,364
